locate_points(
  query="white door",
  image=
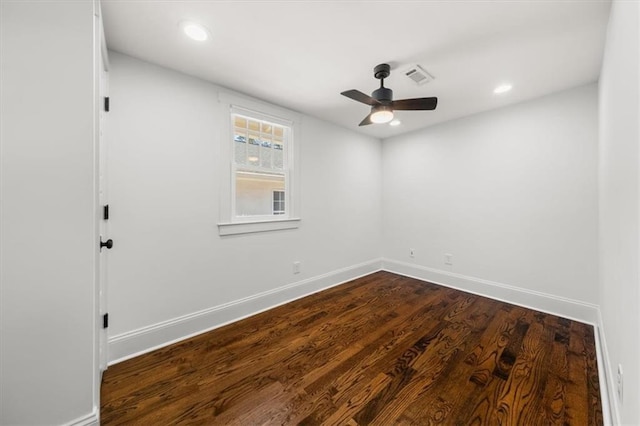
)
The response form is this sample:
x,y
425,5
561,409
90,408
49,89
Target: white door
x,y
103,201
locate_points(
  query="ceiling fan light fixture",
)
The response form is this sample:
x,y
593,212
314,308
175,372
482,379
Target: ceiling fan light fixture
x,y
382,103
381,114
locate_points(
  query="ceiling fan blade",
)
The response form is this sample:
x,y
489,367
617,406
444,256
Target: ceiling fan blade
x,y
415,104
366,121
357,95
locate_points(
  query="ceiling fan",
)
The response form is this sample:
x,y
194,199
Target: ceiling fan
x,y
382,103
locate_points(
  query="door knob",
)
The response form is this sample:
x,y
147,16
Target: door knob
x,y
108,244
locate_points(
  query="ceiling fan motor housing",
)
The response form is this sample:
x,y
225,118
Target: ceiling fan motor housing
x,y
382,94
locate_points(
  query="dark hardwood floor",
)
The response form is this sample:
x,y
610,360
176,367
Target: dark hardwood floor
x,y
380,350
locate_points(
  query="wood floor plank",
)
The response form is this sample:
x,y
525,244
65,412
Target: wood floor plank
x,y
479,404
521,395
345,412
383,349
435,352
594,404
473,365
395,355
277,366
577,387
352,375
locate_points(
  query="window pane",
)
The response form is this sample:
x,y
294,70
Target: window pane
x,y
253,150
259,143
240,148
254,125
265,153
239,121
254,193
278,154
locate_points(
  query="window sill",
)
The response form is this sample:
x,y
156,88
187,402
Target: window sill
x,y
257,226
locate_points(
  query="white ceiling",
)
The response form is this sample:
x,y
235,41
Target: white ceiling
x,y
302,54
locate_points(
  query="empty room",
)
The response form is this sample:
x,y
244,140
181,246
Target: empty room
x,y
319,212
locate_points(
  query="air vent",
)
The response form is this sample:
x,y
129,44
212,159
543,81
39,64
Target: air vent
x,y
418,75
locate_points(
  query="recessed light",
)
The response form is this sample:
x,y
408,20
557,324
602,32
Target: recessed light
x,y
395,122
194,31
503,88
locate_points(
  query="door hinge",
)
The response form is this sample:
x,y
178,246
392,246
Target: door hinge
x,y
105,321
106,103
105,212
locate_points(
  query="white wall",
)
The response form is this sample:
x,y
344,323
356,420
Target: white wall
x,y
511,194
619,157
48,244
168,261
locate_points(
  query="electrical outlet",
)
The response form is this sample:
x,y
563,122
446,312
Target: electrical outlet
x,y
448,259
412,253
620,383
296,267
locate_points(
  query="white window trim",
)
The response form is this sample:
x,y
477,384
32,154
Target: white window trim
x,y
233,228
229,224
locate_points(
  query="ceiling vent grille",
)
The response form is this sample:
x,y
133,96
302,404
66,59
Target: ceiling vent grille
x,y
418,75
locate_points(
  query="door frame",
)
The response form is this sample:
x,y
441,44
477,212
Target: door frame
x,y
102,83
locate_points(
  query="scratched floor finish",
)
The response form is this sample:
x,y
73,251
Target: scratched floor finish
x,y
383,349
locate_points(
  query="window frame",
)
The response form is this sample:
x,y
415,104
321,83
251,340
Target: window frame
x,y
235,167
230,223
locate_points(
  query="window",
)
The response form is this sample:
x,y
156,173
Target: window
x,y
262,192
260,167
278,202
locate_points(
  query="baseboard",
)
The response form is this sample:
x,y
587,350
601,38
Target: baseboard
x,y
88,420
143,340
610,409
544,302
